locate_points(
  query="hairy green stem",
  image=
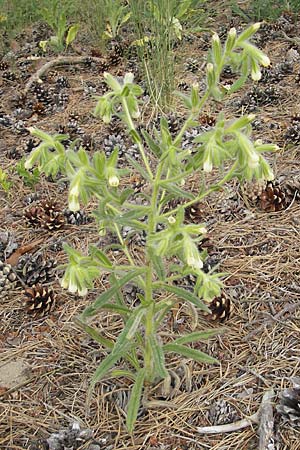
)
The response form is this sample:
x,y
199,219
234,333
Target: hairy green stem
x,y
149,322
213,188
139,144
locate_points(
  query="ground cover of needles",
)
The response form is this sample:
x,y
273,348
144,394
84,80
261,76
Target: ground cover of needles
x,y
46,364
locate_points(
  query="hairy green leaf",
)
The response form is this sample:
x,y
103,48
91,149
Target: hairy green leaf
x,y
199,336
135,400
187,352
186,295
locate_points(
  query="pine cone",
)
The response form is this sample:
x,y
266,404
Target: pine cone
x,y
33,215
194,213
272,198
220,308
3,66
76,217
114,59
192,65
207,121
38,108
227,72
7,277
51,219
39,444
289,406
292,134
172,204
34,270
115,127
7,244
253,190
136,182
39,300
292,186
174,123
222,412
46,215
9,75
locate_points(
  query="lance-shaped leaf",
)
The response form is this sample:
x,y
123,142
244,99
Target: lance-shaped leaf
x,y
96,253
138,167
186,295
174,189
130,329
102,370
158,357
187,352
154,147
94,333
198,336
135,400
109,293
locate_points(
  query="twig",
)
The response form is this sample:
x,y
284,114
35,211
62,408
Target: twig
x,y
266,422
294,40
61,61
263,417
229,427
15,256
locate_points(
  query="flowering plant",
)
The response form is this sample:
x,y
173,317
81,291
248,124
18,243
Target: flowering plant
x,y
172,246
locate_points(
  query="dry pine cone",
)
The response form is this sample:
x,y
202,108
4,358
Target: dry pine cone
x,y
272,198
39,300
7,277
220,308
46,215
194,213
289,406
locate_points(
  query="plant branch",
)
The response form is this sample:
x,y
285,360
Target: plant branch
x,y
61,61
213,188
140,146
229,427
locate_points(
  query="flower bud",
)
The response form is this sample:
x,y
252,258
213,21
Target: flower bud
x,y
211,76
255,71
207,165
248,33
73,203
171,220
113,181
196,263
253,160
230,41
74,192
216,49
192,255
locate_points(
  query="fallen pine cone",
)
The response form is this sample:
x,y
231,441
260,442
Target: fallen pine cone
x,y
220,308
39,300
